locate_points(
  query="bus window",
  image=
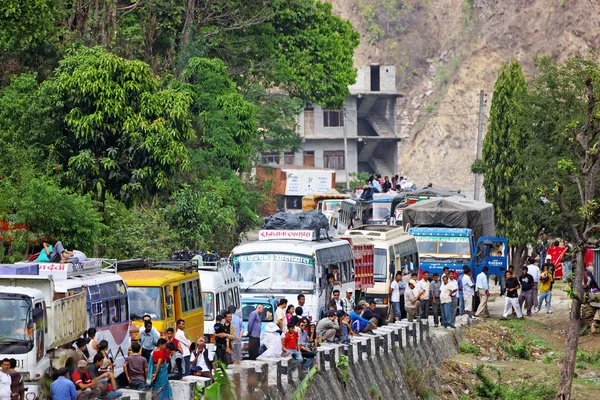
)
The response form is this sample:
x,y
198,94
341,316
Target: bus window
x,y
218,305
197,297
236,298
123,309
190,295
209,305
169,301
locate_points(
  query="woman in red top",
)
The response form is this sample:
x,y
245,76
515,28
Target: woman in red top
x,y
157,371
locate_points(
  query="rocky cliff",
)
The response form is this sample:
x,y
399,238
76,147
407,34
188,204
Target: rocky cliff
x,y
445,52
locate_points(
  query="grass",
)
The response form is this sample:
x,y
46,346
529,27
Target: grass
x,y
586,359
375,393
517,350
417,381
468,348
488,388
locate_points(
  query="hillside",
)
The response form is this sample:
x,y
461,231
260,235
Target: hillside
x,y
445,52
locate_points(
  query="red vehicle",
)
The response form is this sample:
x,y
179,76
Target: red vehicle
x,y
364,254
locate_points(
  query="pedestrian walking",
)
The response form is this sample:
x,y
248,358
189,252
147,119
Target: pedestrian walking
x,y
436,304
254,329
526,281
239,331
468,291
545,289
483,291
511,302
423,286
395,296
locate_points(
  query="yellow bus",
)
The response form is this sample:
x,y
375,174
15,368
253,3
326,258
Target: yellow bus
x,y
166,291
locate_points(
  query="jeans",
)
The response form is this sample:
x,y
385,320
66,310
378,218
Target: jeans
x,y
298,356
545,296
136,384
425,309
461,300
186,363
436,311
396,310
309,358
447,315
525,297
454,308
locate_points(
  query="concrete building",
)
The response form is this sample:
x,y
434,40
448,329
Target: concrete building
x,y
368,121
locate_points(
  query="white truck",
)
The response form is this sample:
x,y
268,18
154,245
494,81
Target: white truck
x,y
47,305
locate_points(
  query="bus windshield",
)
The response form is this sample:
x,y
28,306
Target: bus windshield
x,y
331,205
443,247
275,271
380,265
15,322
381,211
145,300
266,316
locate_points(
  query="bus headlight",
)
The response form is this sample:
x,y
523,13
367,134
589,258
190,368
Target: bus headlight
x,y
378,300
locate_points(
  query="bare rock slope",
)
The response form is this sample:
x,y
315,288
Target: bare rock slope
x,y
446,51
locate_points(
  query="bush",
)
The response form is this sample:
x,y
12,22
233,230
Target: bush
x,y
497,390
468,348
517,350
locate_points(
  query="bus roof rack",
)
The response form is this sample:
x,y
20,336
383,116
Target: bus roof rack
x,y
140,263
209,265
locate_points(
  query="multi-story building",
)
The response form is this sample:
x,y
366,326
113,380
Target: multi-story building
x,y
368,120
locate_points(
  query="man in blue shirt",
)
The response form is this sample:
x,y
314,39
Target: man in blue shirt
x,y
63,388
148,340
483,290
359,324
236,321
254,328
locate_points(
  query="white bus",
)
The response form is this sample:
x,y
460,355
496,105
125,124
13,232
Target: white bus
x,y
395,250
284,264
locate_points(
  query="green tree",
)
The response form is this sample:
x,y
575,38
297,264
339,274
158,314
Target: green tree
x,y
117,132
25,23
501,162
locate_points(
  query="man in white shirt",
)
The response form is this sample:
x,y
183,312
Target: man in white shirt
x,y
185,345
203,360
446,291
483,290
280,318
534,271
349,301
468,291
306,313
423,286
5,380
395,291
454,285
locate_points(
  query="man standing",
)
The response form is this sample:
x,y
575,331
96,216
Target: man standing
x,y
62,388
526,281
148,340
454,285
395,298
511,302
17,386
185,344
228,334
5,381
534,271
239,331
136,369
423,286
412,301
349,301
435,287
85,386
306,313
483,290
468,291
280,319
446,300
170,336
545,289
254,329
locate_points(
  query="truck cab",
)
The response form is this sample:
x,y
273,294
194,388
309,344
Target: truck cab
x,y
455,247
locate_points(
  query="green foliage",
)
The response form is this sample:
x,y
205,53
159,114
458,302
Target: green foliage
x,y
343,369
588,357
501,147
478,167
517,350
537,389
25,23
429,108
222,388
358,179
302,387
374,393
468,348
417,381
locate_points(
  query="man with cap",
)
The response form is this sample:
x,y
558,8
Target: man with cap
x,y
86,387
202,360
349,301
412,301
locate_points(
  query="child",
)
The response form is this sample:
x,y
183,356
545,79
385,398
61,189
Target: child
x,y
346,329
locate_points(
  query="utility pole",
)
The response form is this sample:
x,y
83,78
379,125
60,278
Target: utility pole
x,y
345,150
479,144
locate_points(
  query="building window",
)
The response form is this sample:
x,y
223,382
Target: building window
x,y
333,118
270,157
289,158
334,159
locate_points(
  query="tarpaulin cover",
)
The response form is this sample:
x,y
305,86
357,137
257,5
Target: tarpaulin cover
x,y
452,212
313,220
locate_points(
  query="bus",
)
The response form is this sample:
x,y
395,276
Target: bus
x,y
220,289
395,250
353,213
166,291
284,264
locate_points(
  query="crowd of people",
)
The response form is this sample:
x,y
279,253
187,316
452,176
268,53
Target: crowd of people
x,y
377,184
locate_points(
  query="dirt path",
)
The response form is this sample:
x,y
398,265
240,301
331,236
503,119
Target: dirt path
x,y
523,351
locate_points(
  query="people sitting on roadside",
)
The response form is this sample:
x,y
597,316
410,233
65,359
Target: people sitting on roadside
x,y
328,327
360,324
272,341
175,368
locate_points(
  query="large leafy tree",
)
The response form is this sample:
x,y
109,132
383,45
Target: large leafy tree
x,y
118,132
502,164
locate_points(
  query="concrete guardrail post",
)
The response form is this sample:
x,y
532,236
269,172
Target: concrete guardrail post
x,y
360,351
414,333
350,351
369,347
421,328
405,337
263,381
332,358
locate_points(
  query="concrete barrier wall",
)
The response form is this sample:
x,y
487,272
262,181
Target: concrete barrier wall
x,y
384,363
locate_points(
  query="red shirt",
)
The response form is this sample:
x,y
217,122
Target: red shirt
x,y
291,341
78,379
175,342
160,355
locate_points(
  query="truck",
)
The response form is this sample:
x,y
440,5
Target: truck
x,y
45,307
364,264
454,231
328,203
